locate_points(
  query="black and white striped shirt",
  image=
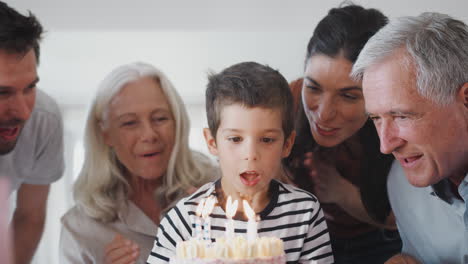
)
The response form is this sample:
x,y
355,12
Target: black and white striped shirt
x,y
292,214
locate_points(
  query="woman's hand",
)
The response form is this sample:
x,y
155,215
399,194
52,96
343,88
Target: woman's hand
x,y
121,251
402,259
328,185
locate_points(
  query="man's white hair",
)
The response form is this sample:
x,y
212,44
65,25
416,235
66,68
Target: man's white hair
x,y
436,44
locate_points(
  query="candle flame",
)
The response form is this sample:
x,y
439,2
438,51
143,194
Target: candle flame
x,y
209,205
249,212
200,207
231,207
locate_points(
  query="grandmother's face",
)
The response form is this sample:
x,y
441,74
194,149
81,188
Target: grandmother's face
x,y
140,128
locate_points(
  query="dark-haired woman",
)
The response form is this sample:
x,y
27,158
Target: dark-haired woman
x,y
336,155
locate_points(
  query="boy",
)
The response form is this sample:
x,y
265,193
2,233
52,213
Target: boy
x,y
249,109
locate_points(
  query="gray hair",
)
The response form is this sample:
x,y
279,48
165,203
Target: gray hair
x,y
436,44
102,188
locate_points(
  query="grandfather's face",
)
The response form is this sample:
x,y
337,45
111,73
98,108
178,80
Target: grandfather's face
x,y
430,141
18,78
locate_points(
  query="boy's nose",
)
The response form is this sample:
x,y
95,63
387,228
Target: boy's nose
x,y
251,152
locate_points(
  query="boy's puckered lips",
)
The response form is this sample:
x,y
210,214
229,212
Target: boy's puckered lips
x,y
250,178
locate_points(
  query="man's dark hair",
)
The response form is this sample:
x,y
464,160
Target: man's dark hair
x,y
18,33
252,85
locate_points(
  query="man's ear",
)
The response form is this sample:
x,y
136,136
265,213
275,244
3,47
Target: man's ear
x,y
288,144
463,94
210,141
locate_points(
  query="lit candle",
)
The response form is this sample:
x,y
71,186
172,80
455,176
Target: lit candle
x,y
198,225
251,224
209,205
231,208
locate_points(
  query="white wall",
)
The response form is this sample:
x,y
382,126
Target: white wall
x,y
87,38
73,63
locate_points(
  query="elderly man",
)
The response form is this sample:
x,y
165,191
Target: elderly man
x,y
31,136
415,81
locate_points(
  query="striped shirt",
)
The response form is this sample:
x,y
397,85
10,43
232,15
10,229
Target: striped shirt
x,y
292,214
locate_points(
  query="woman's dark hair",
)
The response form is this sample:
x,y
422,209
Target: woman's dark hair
x,y
344,32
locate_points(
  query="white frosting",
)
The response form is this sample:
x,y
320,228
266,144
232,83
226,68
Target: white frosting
x,y
263,250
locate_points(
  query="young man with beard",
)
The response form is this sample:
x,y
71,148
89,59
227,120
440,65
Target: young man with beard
x,y
31,130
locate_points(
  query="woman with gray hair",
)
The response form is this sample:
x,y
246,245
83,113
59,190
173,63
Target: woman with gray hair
x,y
137,165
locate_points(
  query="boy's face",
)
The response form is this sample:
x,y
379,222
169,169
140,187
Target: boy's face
x,y
249,144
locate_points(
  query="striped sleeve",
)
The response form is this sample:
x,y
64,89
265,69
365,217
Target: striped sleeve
x,y
317,245
174,227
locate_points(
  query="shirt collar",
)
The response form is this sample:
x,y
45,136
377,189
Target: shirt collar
x,y
443,191
137,221
463,189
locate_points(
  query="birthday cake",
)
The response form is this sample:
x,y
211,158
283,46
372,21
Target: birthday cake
x,y
265,250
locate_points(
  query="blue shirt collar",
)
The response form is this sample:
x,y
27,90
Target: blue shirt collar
x,y
463,188
443,191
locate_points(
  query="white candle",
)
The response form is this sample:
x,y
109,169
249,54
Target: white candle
x,y
231,209
207,209
207,229
198,224
251,224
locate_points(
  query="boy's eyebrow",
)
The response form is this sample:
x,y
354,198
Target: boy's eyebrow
x,y
274,130
313,81
230,131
